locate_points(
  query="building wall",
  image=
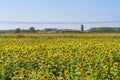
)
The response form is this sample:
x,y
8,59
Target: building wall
x,y
70,31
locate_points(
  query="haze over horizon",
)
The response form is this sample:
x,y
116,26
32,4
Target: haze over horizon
x,y
59,11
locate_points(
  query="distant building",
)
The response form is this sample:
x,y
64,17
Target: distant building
x,y
42,31
70,31
59,31
52,32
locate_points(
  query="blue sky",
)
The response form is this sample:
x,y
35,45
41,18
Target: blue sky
x,y
58,11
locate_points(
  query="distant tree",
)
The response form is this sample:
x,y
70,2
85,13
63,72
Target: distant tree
x,y
17,30
105,29
25,31
82,28
32,29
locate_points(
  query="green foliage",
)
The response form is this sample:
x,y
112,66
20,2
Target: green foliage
x,y
32,29
14,31
17,30
7,31
105,30
82,28
89,57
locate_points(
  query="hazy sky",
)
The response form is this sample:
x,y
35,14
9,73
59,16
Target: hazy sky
x,y
58,11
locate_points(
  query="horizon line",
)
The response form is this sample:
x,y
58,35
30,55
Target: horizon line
x,y
30,22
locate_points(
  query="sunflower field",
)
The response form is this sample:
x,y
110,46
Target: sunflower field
x,y
82,56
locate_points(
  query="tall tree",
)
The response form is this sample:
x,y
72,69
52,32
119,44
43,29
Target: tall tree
x,y
17,30
32,29
82,28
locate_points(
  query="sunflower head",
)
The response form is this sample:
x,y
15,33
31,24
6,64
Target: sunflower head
x,y
88,73
105,67
60,78
97,67
51,74
115,64
103,60
16,73
82,64
43,62
66,72
45,77
111,60
23,71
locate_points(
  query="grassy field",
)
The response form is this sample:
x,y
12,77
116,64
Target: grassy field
x,y
60,56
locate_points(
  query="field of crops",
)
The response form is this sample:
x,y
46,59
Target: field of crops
x,y
60,56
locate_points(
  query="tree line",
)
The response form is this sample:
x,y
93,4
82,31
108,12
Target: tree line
x,y
18,30
105,30
91,30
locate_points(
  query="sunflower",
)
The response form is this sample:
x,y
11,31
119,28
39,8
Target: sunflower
x,y
32,58
90,59
66,72
16,73
43,62
45,77
65,58
24,54
80,64
51,74
106,67
102,60
111,60
60,78
88,73
23,71
12,78
104,53
112,51
97,67
115,64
